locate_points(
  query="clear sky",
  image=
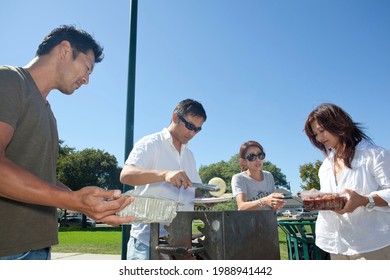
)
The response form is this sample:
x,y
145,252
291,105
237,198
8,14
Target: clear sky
x,y
258,66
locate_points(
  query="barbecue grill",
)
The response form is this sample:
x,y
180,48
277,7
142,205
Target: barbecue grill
x,y
226,235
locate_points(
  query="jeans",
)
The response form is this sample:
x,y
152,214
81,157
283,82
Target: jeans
x,y
40,254
136,250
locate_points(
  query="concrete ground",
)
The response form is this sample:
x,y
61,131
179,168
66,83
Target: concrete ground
x,y
80,256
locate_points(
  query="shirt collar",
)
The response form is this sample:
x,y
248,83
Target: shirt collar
x,y
166,134
362,145
168,137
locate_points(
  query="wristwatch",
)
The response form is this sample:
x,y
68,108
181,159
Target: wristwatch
x,y
371,203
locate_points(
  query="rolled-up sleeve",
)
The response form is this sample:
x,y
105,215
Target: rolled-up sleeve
x,y
381,171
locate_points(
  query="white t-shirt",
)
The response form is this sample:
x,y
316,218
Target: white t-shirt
x,y
253,190
360,231
157,152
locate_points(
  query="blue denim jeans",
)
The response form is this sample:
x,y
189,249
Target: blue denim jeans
x,y
40,254
136,250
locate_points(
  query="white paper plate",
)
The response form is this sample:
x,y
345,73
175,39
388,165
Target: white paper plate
x,y
207,200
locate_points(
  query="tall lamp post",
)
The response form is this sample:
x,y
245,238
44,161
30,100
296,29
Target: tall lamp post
x,y
129,138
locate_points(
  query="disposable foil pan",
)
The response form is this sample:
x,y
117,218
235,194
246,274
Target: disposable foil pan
x,y
148,209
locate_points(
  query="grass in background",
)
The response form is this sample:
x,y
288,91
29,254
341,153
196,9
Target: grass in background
x,y
101,240
91,241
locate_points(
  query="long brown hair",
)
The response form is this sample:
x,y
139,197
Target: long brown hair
x,y
244,148
337,122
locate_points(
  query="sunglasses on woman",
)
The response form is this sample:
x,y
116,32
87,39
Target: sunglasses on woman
x,y
189,125
253,157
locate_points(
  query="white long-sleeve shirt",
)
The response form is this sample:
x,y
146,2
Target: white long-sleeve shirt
x,y
360,231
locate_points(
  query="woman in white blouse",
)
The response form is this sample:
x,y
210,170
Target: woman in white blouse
x,y
353,164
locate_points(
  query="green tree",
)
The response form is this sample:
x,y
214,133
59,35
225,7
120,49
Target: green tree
x,y
220,169
65,150
89,167
309,175
280,178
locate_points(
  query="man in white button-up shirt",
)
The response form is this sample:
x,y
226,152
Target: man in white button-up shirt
x,y
162,165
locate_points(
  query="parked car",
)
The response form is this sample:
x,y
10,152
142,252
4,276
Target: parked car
x,y
287,213
304,216
76,221
279,213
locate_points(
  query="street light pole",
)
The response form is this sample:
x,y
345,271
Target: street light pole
x,y
129,138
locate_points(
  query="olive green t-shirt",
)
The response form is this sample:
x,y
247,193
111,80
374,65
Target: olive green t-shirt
x,y
34,147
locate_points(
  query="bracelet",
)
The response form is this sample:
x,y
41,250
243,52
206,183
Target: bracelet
x,y
260,203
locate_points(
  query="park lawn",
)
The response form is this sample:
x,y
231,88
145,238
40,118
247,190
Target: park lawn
x,y
109,241
91,241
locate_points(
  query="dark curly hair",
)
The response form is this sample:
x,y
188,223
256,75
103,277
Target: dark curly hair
x,y
80,40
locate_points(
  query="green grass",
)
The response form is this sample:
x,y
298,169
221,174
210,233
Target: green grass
x,y
102,240
282,245
91,241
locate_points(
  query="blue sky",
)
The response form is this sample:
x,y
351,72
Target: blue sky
x,y
258,67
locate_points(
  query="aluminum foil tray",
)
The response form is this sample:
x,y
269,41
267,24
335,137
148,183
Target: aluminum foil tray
x,y
150,209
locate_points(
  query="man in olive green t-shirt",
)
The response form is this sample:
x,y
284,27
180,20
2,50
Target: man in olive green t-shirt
x,y
29,190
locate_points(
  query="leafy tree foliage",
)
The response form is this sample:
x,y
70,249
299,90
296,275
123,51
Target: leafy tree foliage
x,y
64,150
88,167
221,169
280,178
309,175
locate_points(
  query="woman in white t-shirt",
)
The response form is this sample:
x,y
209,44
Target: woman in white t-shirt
x,y
254,188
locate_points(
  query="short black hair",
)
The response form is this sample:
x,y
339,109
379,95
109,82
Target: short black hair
x,y
191,107
79,39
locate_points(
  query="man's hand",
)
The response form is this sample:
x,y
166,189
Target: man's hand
x,y
178,178
102,205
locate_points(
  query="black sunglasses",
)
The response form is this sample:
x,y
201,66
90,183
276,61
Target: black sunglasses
x,y
253,157
189,125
